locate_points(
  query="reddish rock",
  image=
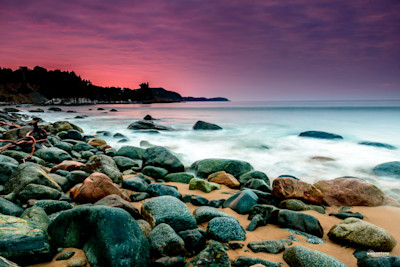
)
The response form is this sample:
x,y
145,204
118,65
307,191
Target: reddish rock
x,y
94,188
68,165
224,178
287,187
118,202
353,192
104,147
95,142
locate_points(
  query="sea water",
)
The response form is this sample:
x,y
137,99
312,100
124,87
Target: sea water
x,y
264,134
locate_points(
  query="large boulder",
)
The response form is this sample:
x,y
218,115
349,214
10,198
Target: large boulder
x,y
60,126
169,210
109,236
53,154
320,135
7,166
352,192
390,169
225,229
202,125
131,152
158,156
94,188
213,255
104,164
148,125
286,187
206,167
164,241
356,232
299,256
300,221
22,241
242,202
205,214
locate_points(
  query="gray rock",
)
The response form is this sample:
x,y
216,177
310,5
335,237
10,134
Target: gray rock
x,y
206,167
37,191
148,125
300,221
320,135
161,157
76,177
298,205
156,190
245,177
7,166
202,125
82,146
74,135
139,196
116,201
154,172
131,152
164,241
109,236
19,156
225,229
106,165
273,246
135,183
213,255
195,200
194,240
242,202
125,163
179,177
60,180
205,214
52,206
348,214
389,169
258,220
37,216
53,154
299,256
244,261
169,210
365,260
64,146
9,208
258,184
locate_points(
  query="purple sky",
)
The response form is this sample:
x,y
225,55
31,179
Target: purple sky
x,y
243,50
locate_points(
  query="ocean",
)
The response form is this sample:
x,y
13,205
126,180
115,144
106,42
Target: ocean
x,y
263,133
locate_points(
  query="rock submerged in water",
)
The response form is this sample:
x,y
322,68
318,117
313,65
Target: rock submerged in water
x,y
148,125
320,135
202,125
377,144
301,256
390,169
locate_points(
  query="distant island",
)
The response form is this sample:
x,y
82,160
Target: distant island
x,y
42,86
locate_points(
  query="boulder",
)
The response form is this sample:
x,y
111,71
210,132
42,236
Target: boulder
x,y
131,152
10,208
202,125
258,184
169,210
356,232
389,169
205,214
104,164
179,177
64,146
300,221
125,163
292,188
53,154
156,190
298,205
225,229
242,202
23,242
94,188
158,156
74,135
38,191
76,177
164,241
7,166
244,261
203,185
36,216
205,167
224,178
273,246
52,206
60,126
352,192
116,201
109,236
320,135
245,177
68,165
135,183
154,172
17,133
19,156
213,255
302,256
148,125
82,146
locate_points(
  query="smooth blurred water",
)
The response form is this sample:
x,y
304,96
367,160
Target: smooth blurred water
x,y
262,133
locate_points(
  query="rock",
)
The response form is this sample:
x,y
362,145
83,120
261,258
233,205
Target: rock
x,y
66,255
22,241
348,214
269,213
154,172
352,192
203,185
125,163
74,135
224,178
205,214
225,229
7,166
36,216
258,220
36,110
17,133
244,261
82,146
389,169
9,208
104,164
202,125
94,188
194,240
19,156
53,154
302,256
95,142
355,232
139,196
116,201
292,188
300,221
179,177
112,152
312,239
36,191
266,198
60,126
148,125
205,167
144,226
370,259
242,201
54,109
87,154
213,255
156,190
377,144
10,110
109,236
76,177
148,118
169,210
135,183
158,156
64,146
164,241
131,152
235,245
166,261
68,165
216,203
195,200
258,184
273,246
52,206
298,205
77,262
320,135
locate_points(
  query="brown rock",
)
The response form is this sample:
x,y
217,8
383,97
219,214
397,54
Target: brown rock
x,y
118,202
17,133
96,142
224,178
104,147
94,188
286,187
67,165
77,262
353,192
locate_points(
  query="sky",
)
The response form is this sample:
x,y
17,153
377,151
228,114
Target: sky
x,y
242,50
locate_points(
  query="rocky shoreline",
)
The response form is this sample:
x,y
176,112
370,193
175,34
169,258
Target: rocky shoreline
x,y
79,202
